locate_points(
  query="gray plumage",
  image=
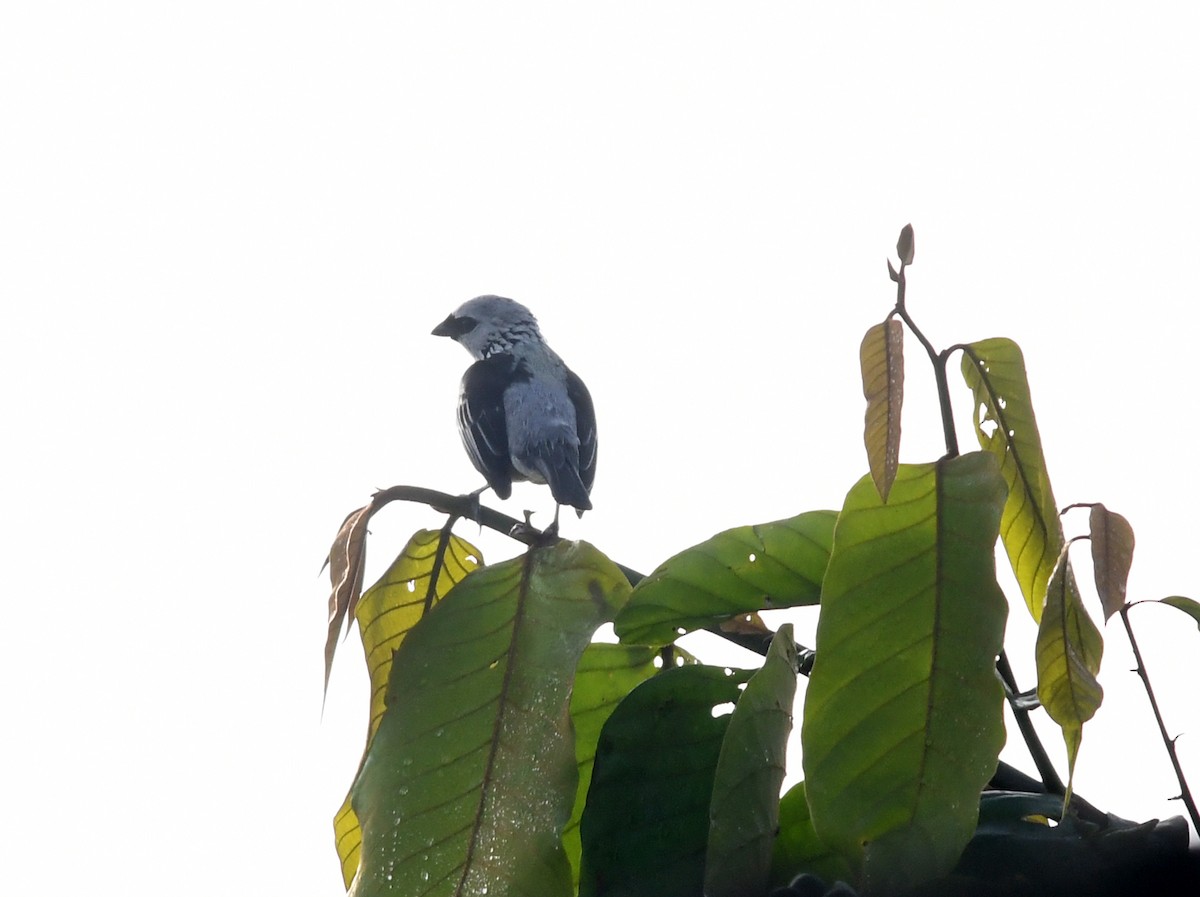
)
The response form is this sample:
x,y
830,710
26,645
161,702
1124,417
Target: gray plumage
x,y
522,413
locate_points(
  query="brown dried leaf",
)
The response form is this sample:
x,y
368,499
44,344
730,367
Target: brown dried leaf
x,y
746,624
905,245
1112,555
347,560
881,357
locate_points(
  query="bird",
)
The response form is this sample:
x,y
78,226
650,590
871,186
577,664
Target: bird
x,y
523,415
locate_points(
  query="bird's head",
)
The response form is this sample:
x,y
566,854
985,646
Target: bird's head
x,y
486,325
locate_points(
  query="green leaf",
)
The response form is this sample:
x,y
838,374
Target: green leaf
x,y
1068,652
881,357
994,369
606,674
385,615
645,827
741,570
744,813
903,714
471,776
1188,605
797,849
1112,556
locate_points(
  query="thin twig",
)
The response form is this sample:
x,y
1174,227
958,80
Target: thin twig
x,y
1050,778
468,507
1185,792
938,360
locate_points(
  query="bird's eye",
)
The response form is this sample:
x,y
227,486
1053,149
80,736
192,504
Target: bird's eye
x,y
464,325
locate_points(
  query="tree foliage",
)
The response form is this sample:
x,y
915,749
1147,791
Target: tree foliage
x,y
508,753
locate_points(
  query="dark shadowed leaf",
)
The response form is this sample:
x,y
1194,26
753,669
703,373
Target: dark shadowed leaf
x,y
881,357
1188,605
645,826
746,569
994,369
1068,652
471,776
903,717
892,273
1112,555
606,674
906,246
798,849
385,615
744,814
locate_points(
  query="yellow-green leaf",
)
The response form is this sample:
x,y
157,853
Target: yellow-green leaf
x,y
1112,556
994,369
1068,652
385,615
881,357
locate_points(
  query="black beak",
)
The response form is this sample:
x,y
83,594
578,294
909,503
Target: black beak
x,y
454,327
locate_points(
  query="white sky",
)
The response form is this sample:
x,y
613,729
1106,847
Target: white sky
x,y
226,230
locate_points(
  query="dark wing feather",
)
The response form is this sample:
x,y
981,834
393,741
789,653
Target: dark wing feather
x,y
481,420
585,427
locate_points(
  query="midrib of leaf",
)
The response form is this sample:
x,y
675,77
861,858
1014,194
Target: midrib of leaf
x,y
501,711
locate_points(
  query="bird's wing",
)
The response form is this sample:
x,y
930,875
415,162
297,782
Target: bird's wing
x,y
585,427
481,420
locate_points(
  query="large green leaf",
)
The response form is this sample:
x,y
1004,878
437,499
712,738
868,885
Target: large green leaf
x,y
471,775
797,848
606,674
645,826
881,357
1068,652
385,615
744,813
994,369
903,714
741,570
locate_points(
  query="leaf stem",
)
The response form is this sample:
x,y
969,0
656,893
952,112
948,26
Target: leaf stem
x,y
938,360
1185,792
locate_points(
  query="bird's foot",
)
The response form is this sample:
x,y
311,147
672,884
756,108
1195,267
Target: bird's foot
x,y
529,534
525,532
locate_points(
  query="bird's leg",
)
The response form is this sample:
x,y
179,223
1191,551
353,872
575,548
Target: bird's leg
x,y
550,533
473,504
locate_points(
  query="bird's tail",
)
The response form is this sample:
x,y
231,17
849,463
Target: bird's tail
x,y
560,467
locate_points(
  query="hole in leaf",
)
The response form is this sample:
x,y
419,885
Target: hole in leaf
x,y
753,557
722,709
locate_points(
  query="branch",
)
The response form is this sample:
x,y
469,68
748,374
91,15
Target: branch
x,y
1050,778
468,507
1185,793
